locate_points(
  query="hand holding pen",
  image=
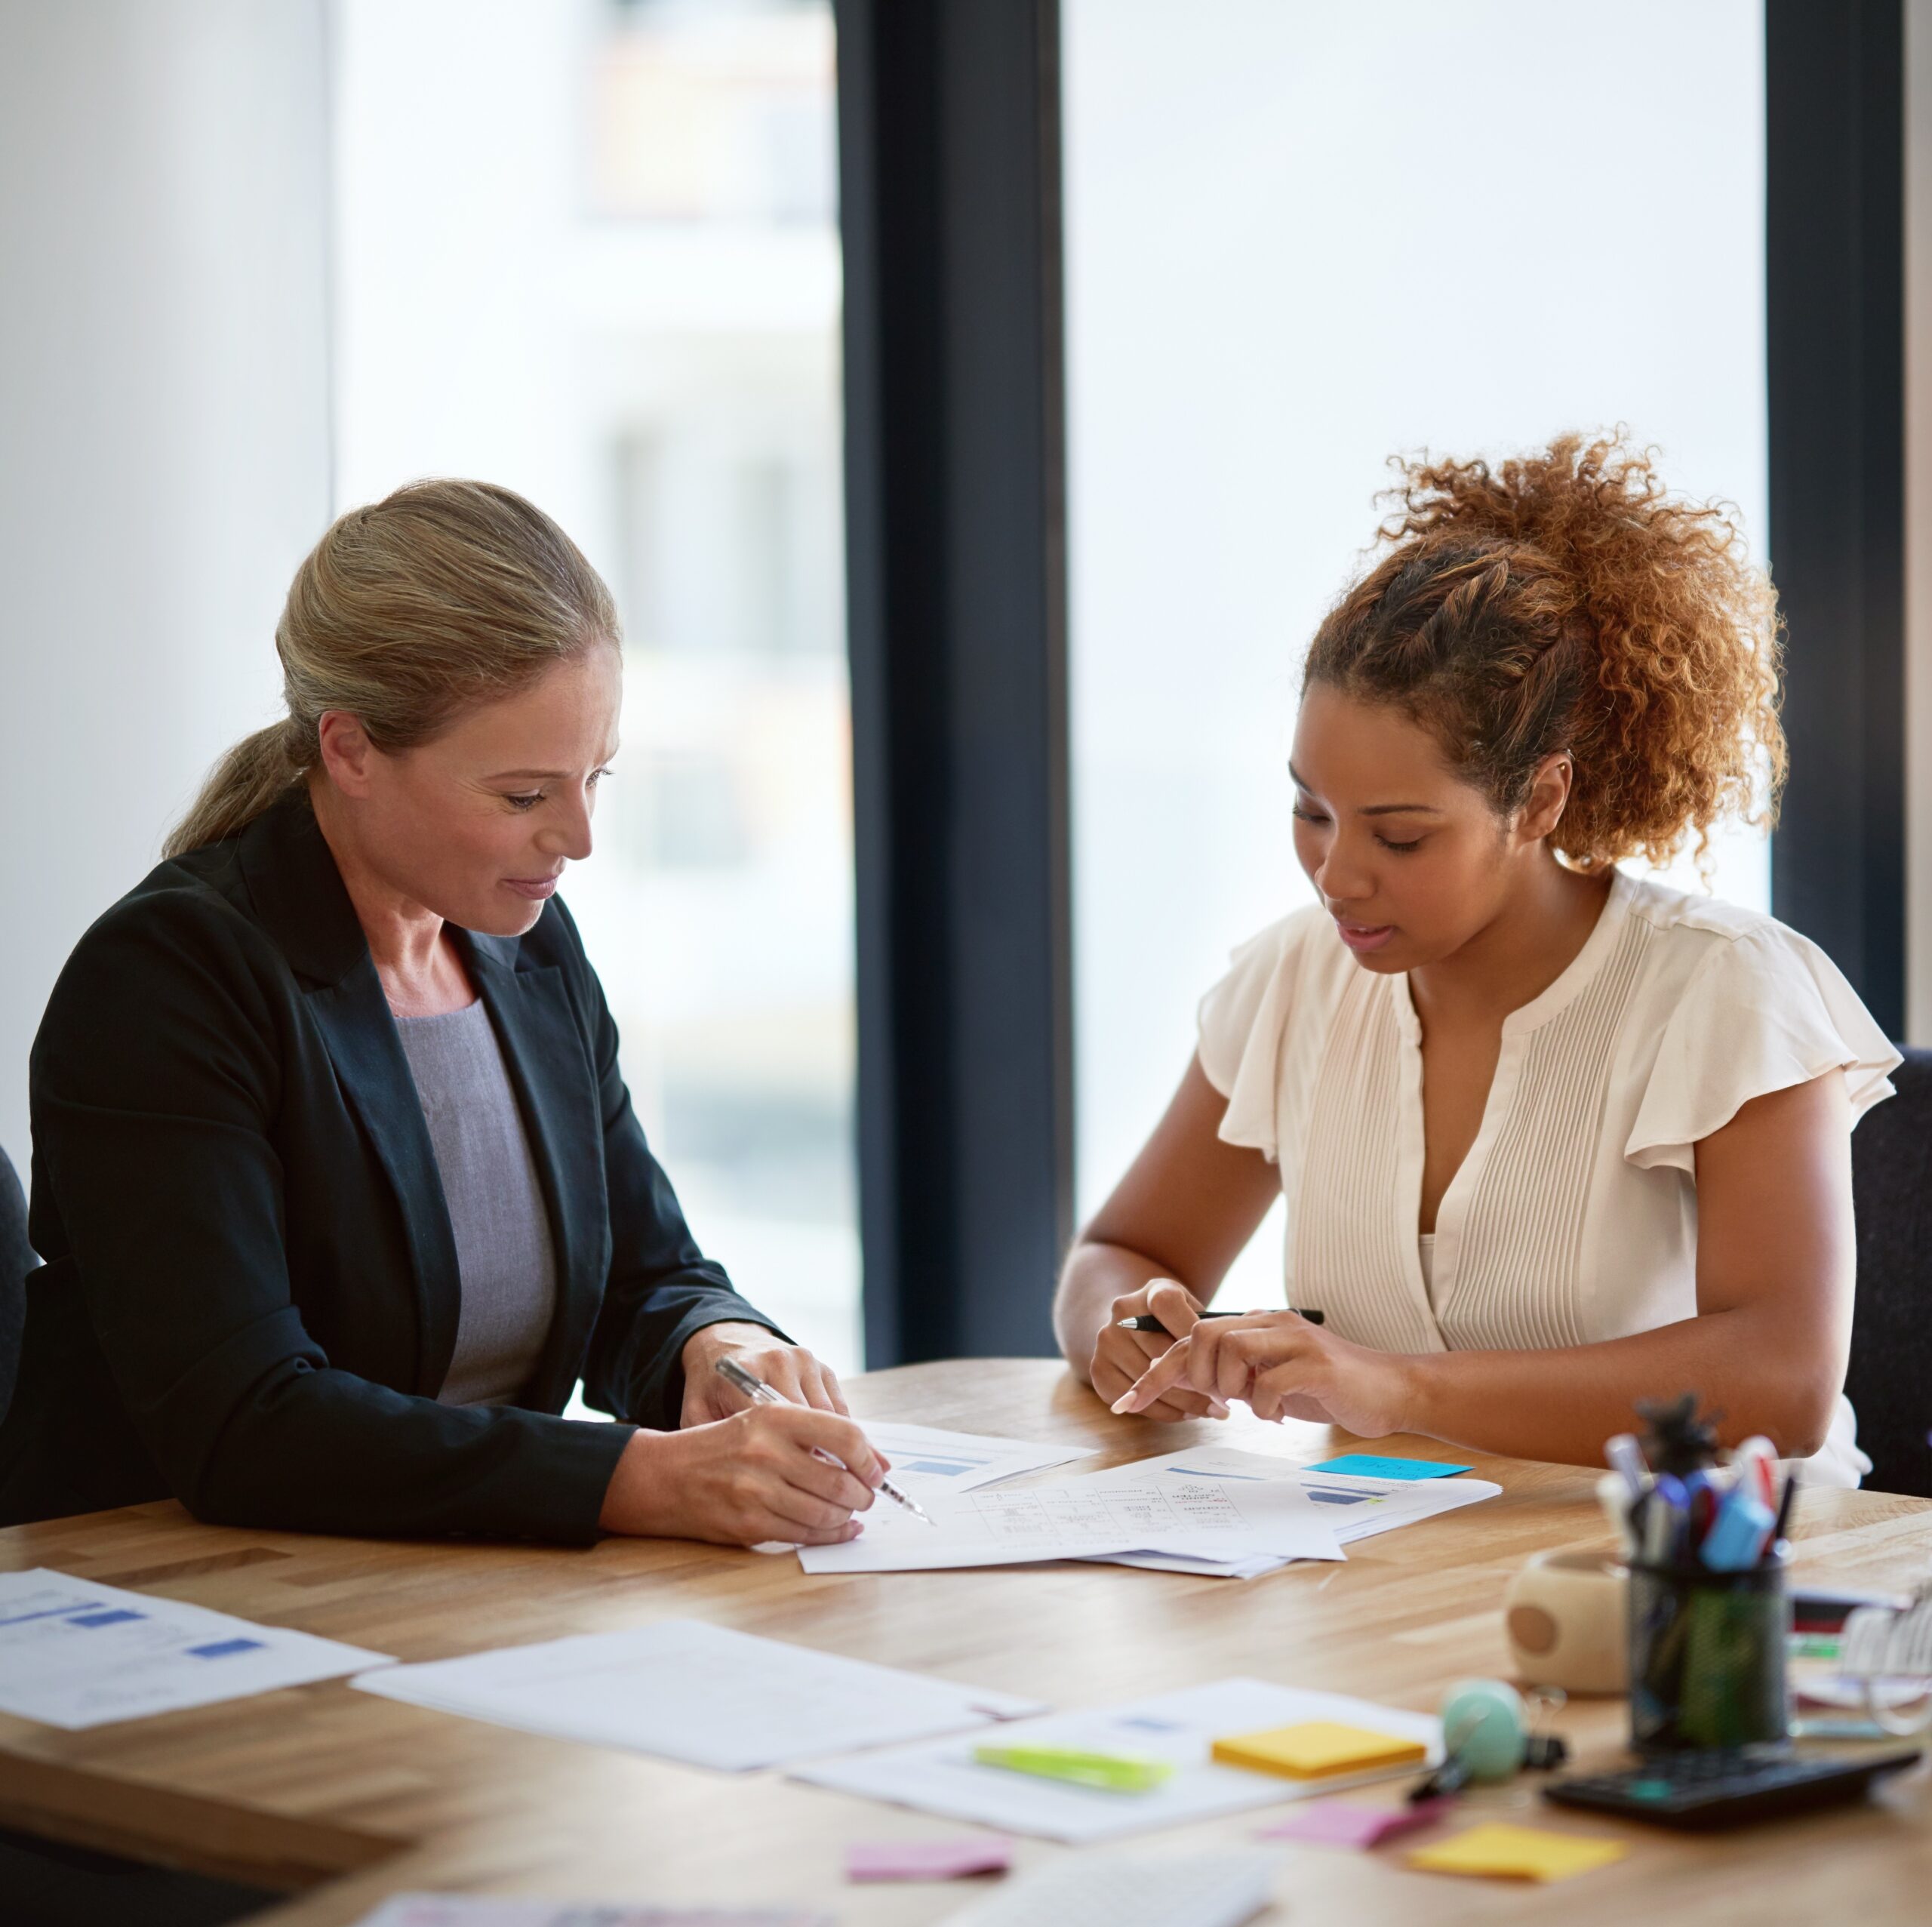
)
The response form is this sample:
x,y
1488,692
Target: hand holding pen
x,y
734,1375
1282,1365
1146,1323
1140,1326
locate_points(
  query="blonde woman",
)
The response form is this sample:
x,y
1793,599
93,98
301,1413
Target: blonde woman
x,y
338,1185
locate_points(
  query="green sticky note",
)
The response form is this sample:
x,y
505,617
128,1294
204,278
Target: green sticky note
x,y
1110,1773
1367,1465
1816,1645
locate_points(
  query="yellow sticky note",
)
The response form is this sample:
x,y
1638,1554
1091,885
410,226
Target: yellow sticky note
x,y
1516,1853
1317,1747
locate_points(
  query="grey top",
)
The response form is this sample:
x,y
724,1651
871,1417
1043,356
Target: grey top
x,y
496,1205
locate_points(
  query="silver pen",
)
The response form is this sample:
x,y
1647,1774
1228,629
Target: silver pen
x,y
733,1373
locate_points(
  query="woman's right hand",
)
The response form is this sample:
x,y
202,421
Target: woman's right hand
x,y
1121,1357
745,1480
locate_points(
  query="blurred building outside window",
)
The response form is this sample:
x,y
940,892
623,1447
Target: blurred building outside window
x,y
589,249
1301,238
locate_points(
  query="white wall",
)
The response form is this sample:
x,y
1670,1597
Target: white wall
x,y
164,433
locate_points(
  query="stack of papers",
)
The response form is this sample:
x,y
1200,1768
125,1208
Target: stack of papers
x,y
1212,1511
685,1690
1162,1506
942,1776
1358,1506
76,1654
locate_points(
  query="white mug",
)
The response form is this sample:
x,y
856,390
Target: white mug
x,y
1566,1618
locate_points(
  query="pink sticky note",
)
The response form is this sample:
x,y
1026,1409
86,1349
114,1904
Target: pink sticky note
x,y
1338,1823
927,1859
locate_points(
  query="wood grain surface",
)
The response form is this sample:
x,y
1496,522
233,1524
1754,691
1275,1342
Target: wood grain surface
x,y
339,1797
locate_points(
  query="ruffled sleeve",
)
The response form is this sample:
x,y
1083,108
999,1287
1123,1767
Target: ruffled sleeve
x,y
1764,1010
1241,1020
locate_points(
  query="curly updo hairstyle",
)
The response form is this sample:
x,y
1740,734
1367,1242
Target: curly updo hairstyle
x,y
1566,601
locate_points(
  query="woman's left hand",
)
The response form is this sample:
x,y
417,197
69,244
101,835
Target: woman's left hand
x,y
1285,1367
789,1370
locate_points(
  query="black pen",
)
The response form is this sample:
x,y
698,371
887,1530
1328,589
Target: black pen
x,y
1783,1522
1146,1323
733,1373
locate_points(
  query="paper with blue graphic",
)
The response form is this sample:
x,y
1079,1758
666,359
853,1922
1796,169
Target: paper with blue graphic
x,y
75,1654
927,1459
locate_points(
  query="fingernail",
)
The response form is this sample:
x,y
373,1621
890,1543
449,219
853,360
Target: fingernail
x,y
1124,1403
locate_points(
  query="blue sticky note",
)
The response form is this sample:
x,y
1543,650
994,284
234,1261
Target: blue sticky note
x,y
222,1648
1366,1465
107,1616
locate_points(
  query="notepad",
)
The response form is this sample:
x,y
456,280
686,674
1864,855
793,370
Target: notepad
x,y
957,1858
1369,1465
1343,1823
1516,1853
1314,1748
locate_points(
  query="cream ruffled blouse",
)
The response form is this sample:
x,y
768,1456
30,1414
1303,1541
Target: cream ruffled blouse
x,y
1574,1218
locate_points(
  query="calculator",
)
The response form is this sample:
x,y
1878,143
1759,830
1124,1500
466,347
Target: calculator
x,y
1727,1787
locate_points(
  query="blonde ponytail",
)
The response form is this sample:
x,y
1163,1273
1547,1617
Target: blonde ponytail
x,y
442,595
249,780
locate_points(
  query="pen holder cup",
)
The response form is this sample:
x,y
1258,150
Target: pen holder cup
x,y
1707,1657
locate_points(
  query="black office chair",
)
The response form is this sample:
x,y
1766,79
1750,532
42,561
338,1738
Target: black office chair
x,y
17,1259
1890,1383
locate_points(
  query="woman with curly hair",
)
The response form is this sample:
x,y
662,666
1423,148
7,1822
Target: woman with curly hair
x,y
1553,1137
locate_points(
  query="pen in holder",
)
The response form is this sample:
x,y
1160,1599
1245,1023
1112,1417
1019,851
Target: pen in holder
x,y
1710,1617
1707,1655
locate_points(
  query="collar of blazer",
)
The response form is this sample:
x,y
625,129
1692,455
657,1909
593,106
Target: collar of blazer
x,y
298,897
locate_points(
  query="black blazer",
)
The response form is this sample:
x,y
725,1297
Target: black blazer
x,y
251,1291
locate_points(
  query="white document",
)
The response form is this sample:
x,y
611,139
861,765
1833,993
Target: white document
x,y
1364,1507
1358,1507
75,1654
942,1776
488,1911
1195,1568
925,1459
1155,1505
686,1690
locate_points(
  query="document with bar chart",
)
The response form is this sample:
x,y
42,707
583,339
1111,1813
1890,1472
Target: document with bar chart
x,y
74,1653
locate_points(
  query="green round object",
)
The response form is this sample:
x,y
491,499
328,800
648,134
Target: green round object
x,y
1482,1724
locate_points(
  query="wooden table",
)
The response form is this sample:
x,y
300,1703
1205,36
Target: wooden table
x,y
339,1797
